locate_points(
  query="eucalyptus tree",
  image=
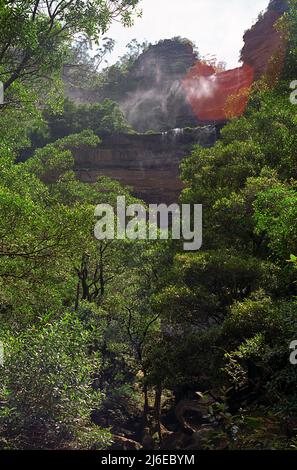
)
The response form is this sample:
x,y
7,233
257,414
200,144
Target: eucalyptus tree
x,y
35,34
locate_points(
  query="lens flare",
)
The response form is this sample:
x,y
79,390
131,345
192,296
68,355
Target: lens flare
x,y
217,96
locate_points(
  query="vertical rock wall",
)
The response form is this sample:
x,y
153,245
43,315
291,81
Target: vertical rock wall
x,y
147,163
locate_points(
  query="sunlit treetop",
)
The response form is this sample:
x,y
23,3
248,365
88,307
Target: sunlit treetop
x,y
35,34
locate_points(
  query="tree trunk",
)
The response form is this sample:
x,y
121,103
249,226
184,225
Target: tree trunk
x,y
146,401
157,410
77,296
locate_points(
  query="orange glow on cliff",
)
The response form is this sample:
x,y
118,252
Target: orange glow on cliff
x,y
217,96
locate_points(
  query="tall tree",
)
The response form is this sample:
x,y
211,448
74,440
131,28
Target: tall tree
x,y
34,34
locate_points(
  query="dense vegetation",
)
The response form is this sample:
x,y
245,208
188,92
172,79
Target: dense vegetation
x,y
105,338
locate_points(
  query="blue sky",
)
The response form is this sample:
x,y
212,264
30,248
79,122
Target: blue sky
x,y
216,26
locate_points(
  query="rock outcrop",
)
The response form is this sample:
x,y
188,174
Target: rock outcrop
x,y
168,88
264,40
154,98
147,163
218,96
150,94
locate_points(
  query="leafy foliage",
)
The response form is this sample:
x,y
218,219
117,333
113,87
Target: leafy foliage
x,y
45,385
93,331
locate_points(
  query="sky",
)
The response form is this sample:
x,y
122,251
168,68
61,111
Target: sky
x,y
216,26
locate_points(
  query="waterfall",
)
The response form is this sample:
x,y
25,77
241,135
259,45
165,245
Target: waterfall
x,y
204,135
177,131
173,134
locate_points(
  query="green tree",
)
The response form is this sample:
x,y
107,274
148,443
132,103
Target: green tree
x,y
34,33
46,399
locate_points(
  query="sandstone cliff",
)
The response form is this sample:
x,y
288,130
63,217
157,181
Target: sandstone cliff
x,y
263,40
150,94
153,96
148,163
218,96
163,91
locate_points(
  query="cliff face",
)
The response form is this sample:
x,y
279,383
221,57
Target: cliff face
x,y
148,163
153,98
219,96
168,88
150,95
263,40
165,88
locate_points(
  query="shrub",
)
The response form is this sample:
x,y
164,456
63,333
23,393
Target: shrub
x,y
46,396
